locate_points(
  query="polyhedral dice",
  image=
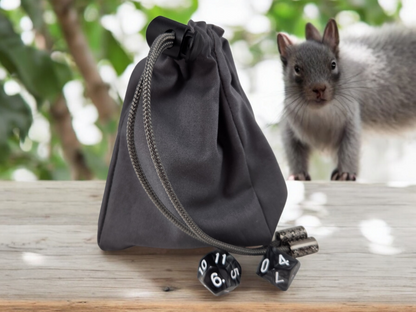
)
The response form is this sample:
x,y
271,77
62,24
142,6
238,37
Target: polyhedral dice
x,y
278,268
219,272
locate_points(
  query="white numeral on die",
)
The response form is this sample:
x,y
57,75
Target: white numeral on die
x,y
234,273
217,257
277,281
203,266
215,279
282,260
265,265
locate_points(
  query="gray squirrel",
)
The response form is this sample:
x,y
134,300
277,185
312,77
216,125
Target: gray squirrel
x,y
335,90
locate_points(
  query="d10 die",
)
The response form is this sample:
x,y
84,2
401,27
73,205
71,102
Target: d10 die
x,y
219,272
278,268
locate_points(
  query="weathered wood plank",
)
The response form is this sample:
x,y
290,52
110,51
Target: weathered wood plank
x,y
49,259
145,277
193,306
130,305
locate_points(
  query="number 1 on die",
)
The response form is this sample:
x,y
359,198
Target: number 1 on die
x,y
217,257
203,267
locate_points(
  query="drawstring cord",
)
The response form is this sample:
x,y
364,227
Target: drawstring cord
x,y
188,226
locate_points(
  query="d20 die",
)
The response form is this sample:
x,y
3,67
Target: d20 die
x,y
219,272
278,268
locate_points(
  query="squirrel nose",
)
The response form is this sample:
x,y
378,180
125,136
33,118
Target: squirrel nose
x,y
319,90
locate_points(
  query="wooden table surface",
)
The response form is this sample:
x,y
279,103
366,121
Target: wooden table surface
x,y
49,259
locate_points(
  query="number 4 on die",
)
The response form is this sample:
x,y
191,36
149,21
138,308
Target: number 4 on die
x,y
278,268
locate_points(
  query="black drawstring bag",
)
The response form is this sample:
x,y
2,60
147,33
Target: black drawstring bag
x,y
190,167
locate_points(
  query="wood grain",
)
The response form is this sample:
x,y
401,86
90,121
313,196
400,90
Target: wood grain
x,y
121,306
49,259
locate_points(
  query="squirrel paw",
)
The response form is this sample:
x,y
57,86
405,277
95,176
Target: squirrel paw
x,y
343,176
299,177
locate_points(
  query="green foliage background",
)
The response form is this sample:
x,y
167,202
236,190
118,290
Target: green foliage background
x,y
44,76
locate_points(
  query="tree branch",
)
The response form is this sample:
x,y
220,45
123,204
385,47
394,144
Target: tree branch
x,y
62,121
97,90
70,144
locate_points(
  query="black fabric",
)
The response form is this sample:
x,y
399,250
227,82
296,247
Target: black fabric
x,y
216,157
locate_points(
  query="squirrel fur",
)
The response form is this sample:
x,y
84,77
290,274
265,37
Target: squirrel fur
x,y
336,88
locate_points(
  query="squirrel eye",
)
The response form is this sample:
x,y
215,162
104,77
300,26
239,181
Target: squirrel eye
x,y
333,65
297,69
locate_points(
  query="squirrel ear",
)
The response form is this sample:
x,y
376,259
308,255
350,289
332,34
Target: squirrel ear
x,y
331,36
283,42
311,33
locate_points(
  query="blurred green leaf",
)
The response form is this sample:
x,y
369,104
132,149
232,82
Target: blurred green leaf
x,y
105,46
288,15
179,14
94,33
14,114
34,11
114,52
95,161
43,77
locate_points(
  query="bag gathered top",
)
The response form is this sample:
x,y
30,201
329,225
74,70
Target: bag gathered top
x,y
195,170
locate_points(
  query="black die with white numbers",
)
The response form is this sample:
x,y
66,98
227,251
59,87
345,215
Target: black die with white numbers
x,y
278,268
219,272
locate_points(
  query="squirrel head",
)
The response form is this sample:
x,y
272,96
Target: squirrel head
x,y
311,68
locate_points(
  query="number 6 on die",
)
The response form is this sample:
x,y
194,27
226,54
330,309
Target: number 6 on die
x,y
219,272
